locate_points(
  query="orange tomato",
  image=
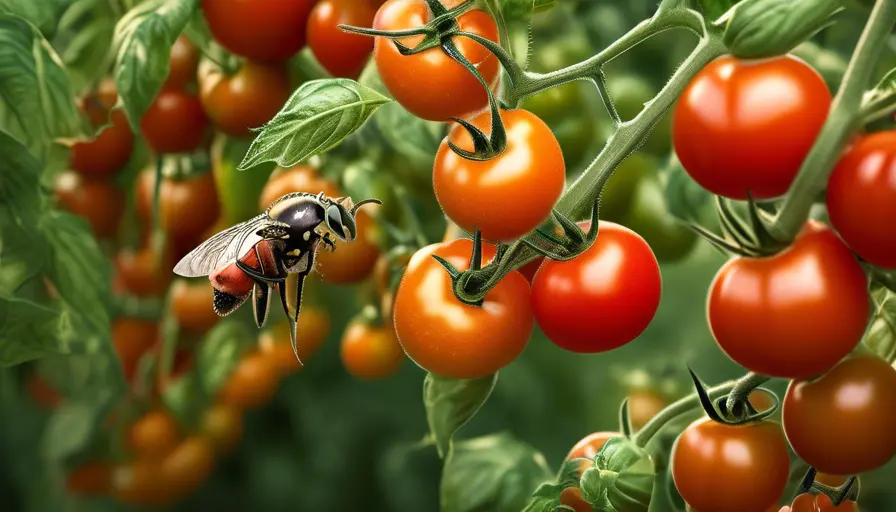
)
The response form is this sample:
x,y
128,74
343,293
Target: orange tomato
x,y
350,262
188,466
311,332
370,352
223,425
246,100
300,178
192,305
143,273
252,383
132,338
100,203
154,435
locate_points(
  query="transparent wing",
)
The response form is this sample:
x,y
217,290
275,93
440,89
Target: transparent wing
x,y
223,248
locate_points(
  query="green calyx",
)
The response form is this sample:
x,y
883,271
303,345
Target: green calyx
x,y
736,409
573,241
621,478
440,33
748,237
766,28
848,491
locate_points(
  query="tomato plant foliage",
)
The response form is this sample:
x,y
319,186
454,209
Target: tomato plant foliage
x,y
538,163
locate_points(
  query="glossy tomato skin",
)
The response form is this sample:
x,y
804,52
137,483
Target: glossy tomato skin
x,y
248,99
507,196
452,339
109,152
184,60
263,30
865,181
615,284
723,468
747,125
792,315
174,123
99,202
187,206
844,423
370,352
430,84
341,53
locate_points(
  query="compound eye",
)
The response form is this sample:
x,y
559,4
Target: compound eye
x,y
334,222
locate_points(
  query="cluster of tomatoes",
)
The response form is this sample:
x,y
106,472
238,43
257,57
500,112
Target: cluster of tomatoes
x,y
741,129
165,459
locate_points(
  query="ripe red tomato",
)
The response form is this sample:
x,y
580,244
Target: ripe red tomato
x,y
844,423
222,425
110,151
252,383
452,339
819,503
143,273
746,125
370,352
132,338
264,30
248,99
311,332
723,468
615,284
341,53
91,479
865,181
100,203
191,304
174,123
488,194
187,206
154,435
430,84
184,60
794,314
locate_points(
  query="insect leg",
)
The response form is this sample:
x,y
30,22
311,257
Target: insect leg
x,y
261,298
292,314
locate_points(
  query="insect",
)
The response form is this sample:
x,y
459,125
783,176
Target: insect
x,y
274,249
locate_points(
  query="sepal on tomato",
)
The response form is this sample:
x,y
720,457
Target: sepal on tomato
x,y
621,479
766,28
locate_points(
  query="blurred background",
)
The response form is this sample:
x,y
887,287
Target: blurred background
x,y
319,438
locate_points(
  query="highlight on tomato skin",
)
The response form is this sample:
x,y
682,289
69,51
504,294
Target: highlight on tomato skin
x,y
745,126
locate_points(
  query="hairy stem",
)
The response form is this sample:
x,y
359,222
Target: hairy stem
x,y
843,120
745,385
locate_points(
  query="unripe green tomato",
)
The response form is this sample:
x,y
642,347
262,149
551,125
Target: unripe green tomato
x,y
648,216
557,102
579,137
564,51
616,199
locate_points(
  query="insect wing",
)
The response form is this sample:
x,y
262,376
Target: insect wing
x,y
223,248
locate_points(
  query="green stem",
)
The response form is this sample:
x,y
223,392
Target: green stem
x,y
676,409
843,120
878,109
532,83
745,385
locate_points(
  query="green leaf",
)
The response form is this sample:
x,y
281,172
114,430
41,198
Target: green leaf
x,y
69,430
144,37
413,138
450,403
185,399
317,117
238,190
547,497
19,181
544,5
886,88
219,354
22,255
43,14
881,336
78,269
514,19
684,197
34,87
86,32
497,473
30,331
621,479
766,28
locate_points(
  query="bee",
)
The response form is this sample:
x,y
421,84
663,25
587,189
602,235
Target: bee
x,y
274,249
